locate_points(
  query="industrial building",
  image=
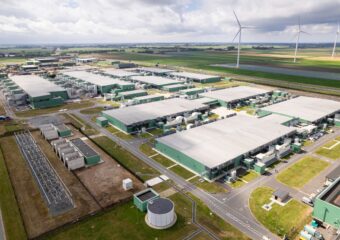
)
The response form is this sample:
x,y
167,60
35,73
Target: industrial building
x,y
131,94
176,87
35,91
90,156
192,91
327,205
118,73
104,84
215,149
154,81
132,119
236,96
142,198
194,77
148,99
306,109
154,71
102,122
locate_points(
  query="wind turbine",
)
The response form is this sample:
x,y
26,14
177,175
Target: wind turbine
x,y
298,39
336,39
239,33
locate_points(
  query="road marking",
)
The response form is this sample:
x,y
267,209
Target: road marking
x,y
191,178
172,166
333,146
154,155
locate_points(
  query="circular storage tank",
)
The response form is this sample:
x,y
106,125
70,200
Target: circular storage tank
x,y
161,213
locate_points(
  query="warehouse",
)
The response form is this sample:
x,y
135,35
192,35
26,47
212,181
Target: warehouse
x,y
214,149
132,119
154,71
306,109
230,97
194,77
131,94
91,157
104,84
154,81
327,205
192,91
41,93
118,73
176,87
148,98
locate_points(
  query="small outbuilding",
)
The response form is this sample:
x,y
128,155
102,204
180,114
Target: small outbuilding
x,y
281,195
142,198
102,121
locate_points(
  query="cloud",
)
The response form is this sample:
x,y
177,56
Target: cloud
x,y
108,21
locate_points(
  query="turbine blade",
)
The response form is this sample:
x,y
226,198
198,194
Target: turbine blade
x,y
305,32
299,23
338,28
238,22
238,32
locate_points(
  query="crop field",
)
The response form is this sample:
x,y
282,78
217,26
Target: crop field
x,y
310,59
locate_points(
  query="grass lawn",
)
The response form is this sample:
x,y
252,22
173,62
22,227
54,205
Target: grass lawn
x,y
214,223
125,158
156,131
90,111
166,162
80,123
69,106
127,222
333,153
288,219
160,187
10,126
14,227
207,186
146,149
119,133
182,172
302,172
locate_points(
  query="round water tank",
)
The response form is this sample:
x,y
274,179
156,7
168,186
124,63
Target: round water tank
x,y
161,213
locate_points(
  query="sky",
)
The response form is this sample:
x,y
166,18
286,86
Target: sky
x,y
142,21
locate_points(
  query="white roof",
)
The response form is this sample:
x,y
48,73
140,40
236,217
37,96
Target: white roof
x,y
197,76
156,70
216,143
150,111
155,80
235,93
306,108
35,86
279,119
95,79
119,73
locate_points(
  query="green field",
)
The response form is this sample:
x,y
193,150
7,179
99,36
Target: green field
x,y
333,153
211,187
14,227
163,160
182,172
125,158
202,59
302,172
242,180
281,220
127,222
91,111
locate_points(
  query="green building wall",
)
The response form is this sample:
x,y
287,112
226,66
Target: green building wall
x,y
92,160
181,158
325,211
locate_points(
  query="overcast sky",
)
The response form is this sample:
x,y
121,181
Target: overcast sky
x,y
121,21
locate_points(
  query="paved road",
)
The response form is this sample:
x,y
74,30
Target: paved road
x,y
246,224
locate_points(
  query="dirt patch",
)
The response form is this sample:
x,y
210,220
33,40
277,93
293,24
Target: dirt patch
x,y
104,180
36,217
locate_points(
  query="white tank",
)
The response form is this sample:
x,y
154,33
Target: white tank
x,y
161,213
179,118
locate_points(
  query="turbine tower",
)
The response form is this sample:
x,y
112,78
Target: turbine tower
x,y
336,39
298,39
239,33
